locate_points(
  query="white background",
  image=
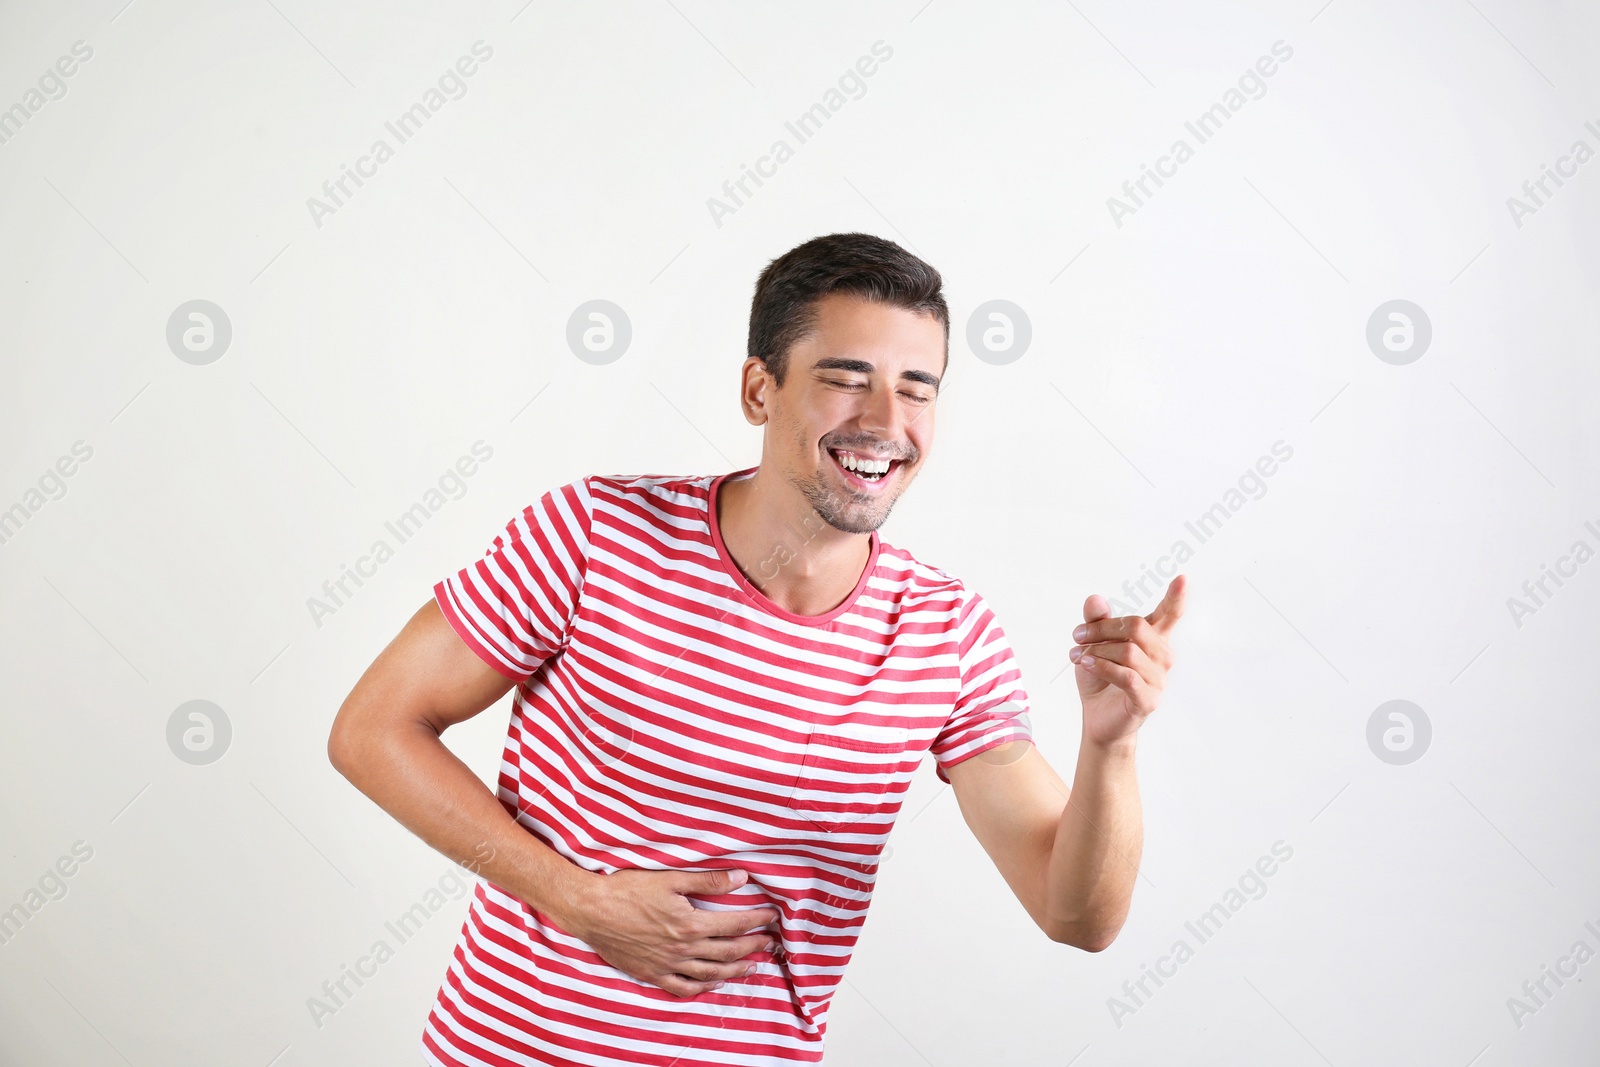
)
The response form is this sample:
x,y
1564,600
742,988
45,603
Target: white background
x,y
1168,354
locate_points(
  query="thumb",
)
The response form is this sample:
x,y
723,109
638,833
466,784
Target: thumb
x,y
1096,608
713,881
1170,610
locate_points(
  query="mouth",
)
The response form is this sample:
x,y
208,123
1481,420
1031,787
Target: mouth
x,y
865,472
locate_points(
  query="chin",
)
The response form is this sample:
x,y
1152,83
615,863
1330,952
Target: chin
x,y
846,511
855,521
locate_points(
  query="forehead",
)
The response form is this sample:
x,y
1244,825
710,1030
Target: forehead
x,y
849,325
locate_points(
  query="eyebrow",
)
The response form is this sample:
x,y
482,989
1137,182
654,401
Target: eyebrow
x,y
861,366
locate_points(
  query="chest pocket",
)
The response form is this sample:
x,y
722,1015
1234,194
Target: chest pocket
x,y
853,776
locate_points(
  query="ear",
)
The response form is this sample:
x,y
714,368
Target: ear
x,y
754,390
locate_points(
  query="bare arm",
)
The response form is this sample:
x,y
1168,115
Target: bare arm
x,y
1098,844
1072,880
1071,855
385,740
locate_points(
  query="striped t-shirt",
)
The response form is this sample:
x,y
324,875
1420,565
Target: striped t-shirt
x,y
668,716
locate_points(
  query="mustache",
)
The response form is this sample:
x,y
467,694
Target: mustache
x,y
874,448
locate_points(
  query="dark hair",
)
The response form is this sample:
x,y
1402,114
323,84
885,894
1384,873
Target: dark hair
x,y
784,310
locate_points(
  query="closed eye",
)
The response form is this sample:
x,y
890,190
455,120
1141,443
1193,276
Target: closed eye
x,y
917,398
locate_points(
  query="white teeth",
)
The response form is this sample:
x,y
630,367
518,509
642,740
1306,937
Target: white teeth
x,y
851,461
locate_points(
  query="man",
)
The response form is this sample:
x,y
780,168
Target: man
x,y
724,685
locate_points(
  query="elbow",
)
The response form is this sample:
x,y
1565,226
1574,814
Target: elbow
x,y
344,746
339,750
364,747
1100,943
1088,939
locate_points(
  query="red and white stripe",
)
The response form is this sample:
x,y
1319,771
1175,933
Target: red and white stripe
x,y
669,716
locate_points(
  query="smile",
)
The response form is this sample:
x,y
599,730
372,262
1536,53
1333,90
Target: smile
x,y
864,470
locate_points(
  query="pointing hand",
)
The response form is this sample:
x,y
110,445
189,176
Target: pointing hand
x,y
1122,663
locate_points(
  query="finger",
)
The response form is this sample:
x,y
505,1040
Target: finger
x,y
1127,654
1096,607
712,971
1122,628
1130,627
1170,610
1133,629
736,923
679,986
729,949
676,986
1124,678
707,883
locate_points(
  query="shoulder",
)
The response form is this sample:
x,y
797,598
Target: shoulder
x,y
651,482
649,508
568,513
672,496
921,582
931,590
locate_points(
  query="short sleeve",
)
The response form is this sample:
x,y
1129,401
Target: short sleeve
x,y
992,706
515,606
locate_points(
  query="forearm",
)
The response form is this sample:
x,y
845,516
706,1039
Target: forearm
x,y
409,773
1099,840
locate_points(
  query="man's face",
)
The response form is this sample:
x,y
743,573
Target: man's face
x,y
858,393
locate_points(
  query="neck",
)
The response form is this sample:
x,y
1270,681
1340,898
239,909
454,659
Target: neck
x,y
782,546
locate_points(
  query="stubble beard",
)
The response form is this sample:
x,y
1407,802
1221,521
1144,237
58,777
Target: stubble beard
x,y
842,509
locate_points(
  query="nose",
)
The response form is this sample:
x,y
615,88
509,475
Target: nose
x,y
882,416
